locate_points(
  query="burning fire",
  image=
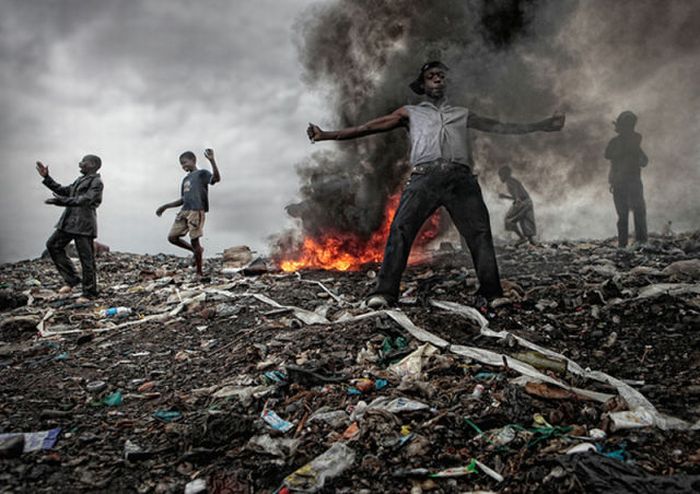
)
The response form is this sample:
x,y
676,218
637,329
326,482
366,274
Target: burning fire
x,y
341,251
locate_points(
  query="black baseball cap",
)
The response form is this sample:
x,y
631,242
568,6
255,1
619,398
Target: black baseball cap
x,y
417,85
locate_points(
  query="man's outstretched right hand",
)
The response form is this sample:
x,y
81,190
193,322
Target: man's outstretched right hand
x,y
42,169
314,132
556,122
159,211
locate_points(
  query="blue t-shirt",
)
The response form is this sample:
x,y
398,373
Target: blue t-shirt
x,y
195,191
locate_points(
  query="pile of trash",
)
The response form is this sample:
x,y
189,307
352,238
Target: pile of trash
x,y
584,377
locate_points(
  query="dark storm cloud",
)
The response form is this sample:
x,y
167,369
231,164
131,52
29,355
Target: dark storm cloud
x,y
138,83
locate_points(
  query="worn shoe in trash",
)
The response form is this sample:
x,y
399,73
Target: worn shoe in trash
x,y
378,302
312,376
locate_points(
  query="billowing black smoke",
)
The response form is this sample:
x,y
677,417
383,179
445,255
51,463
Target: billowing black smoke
x,y
516,60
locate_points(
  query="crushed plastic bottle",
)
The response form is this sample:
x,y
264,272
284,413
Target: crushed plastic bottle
x,y
478,391
116,312
397,405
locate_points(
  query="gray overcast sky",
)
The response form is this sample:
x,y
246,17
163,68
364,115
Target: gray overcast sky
x,y
138,83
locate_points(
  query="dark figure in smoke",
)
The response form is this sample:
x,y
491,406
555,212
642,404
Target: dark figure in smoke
x,y
78,222
520,218
626,162
441,176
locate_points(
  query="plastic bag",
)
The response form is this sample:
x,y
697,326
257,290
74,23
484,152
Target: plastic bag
x,y
313,476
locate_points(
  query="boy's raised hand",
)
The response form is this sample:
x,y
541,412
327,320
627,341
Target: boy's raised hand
x,y
209,154
42,169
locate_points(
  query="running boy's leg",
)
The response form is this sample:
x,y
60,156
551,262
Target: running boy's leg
x,y
511,222
179,230
195,225
198,255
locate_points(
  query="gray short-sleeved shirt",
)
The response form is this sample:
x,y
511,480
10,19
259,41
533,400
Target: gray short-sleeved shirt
x,y
195,191
439,132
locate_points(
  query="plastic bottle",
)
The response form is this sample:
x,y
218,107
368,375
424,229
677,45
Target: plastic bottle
x,y
478,391
115,312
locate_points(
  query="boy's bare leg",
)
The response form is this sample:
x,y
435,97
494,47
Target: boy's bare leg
x,y
181,243
198,251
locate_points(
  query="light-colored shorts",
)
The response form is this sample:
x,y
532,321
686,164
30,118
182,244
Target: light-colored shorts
x,y
191,222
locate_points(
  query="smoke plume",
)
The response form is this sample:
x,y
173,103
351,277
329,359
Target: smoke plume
x,y
515,60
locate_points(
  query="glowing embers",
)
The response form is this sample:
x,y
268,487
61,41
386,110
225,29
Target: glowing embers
x,y
343,251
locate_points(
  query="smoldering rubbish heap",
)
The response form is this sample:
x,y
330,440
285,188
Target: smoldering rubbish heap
x,y
274,380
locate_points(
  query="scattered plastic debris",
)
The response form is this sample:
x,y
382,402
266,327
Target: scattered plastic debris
x,y
572,357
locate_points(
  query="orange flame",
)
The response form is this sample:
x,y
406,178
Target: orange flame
x,y
342,251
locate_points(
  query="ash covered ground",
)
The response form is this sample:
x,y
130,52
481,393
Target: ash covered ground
x,y
171,395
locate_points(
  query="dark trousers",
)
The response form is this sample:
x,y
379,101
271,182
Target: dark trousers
x,y
630,196
56,245
431,186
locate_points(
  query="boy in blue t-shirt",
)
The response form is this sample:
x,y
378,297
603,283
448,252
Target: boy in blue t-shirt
x,y
194,199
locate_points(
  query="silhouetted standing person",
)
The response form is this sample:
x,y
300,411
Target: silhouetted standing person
x,y
78,222
626,162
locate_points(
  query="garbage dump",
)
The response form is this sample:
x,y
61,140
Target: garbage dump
x,y
584,377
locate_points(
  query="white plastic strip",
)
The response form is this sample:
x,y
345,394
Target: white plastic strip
x,y
634,399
